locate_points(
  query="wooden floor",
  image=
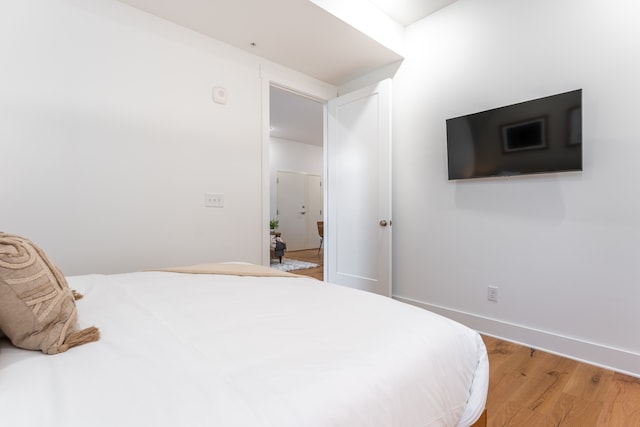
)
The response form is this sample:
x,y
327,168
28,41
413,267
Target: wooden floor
x,y
310,255
534,388
530,388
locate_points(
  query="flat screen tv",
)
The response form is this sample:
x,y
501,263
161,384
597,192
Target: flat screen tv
x,y
539,136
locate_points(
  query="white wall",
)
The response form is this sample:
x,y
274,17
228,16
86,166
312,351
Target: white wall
x,y
109,138
564,249
292,156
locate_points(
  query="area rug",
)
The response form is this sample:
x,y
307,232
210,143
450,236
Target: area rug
x,y
291,264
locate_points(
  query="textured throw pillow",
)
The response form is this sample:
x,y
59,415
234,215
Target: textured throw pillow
x,y
37,308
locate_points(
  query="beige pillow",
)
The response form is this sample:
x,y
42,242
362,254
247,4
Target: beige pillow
x,y
37,308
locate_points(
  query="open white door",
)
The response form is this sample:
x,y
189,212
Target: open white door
x,y
358,226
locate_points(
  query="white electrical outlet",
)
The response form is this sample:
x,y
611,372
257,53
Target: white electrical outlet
x,y
492,293
214,200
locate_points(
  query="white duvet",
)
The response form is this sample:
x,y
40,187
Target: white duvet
x,y
215,350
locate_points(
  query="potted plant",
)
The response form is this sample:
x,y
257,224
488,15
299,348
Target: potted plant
x,y
273,224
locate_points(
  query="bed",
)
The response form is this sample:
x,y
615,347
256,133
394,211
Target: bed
x,y
214,346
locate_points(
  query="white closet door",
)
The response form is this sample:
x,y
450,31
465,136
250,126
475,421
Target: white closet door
x,y
292,211
314,194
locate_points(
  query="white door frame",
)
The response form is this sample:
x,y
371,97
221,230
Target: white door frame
x,y
305,86
321,92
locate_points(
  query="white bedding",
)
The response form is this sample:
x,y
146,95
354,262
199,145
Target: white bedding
x,y
215,350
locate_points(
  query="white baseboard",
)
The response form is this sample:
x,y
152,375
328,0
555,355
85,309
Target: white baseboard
x,y
594,354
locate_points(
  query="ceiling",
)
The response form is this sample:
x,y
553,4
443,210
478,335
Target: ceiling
x,y
406,12
295,33
314,42
295,117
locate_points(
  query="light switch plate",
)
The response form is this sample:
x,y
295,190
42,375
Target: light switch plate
x,y
213,200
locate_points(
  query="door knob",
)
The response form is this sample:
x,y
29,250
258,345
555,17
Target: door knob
x,y
383,223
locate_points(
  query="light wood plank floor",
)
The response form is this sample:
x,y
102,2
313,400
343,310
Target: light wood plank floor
x,y
531,388
534,388
309,255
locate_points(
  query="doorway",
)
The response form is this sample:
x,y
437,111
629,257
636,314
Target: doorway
x,y
358,125
296,148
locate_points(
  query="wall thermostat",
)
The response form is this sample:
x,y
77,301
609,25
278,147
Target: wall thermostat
x,y
220,95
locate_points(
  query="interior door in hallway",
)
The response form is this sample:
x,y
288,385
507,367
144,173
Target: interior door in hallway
x,y
298,204
314,195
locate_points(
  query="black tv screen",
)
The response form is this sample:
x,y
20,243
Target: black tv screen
x,y
538,136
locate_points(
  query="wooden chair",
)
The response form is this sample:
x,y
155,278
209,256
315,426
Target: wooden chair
x,y
321,234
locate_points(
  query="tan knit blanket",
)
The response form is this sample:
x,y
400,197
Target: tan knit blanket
x,y
231,269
